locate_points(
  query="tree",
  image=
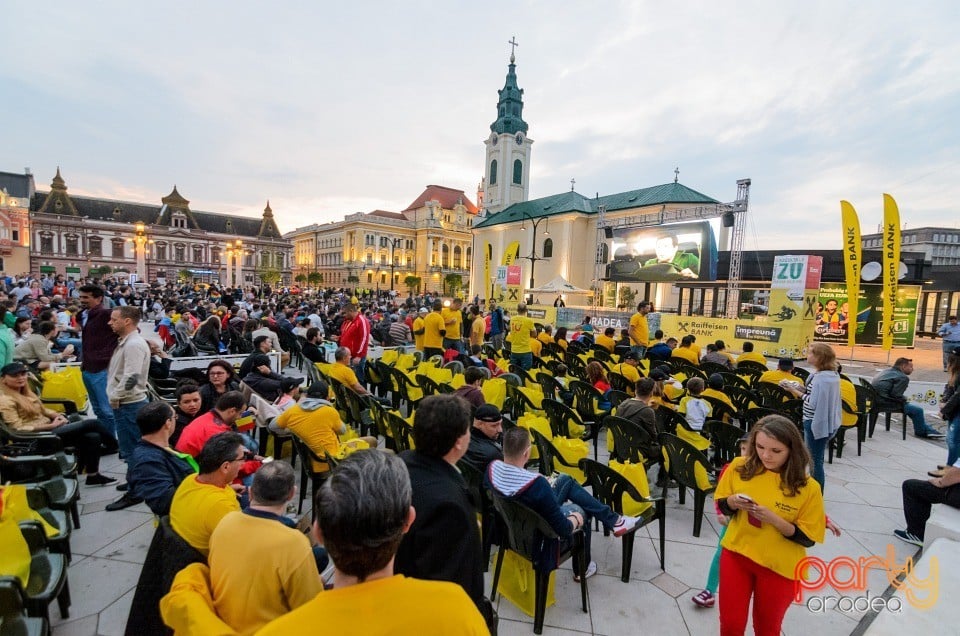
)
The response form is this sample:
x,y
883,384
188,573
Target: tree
x,y
99,271
300,278
185,275
412,282
269,275
315,278
453,283
352,278
627,296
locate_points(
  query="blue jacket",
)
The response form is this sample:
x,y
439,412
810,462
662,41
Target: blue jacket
x,y
155,474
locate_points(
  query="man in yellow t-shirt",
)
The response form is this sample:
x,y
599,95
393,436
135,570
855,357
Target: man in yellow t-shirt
x,y
202,500
418,329
628,369
364,509
248,590
784,371
638,330
453,323
433,331
478,327
522,331
606,340
341,371
686,352
546,336
749,355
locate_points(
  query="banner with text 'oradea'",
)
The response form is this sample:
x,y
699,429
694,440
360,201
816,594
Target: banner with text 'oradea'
x,y
511,254
891,266
852,259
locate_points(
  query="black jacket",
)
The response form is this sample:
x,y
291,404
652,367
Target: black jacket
x,y
482,450
443,544
266,386
313,353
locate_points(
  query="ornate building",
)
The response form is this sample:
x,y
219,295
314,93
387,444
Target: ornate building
x,y
430,239
73,234
15,193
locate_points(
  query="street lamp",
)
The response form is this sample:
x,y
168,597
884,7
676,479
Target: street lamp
x,y
235,251
140,241
533,258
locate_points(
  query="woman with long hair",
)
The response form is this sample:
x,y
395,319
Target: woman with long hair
x,y
776,512
220,378
207,337
950,409
561,338
22,410
598,380
822,412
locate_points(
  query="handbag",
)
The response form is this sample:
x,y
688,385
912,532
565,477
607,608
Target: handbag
x,y
65,384
636,474
518,583
572,451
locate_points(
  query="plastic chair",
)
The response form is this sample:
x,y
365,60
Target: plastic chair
x,y
725,439
631,442
523,374
619,382
63,493
609,487
751,366
879,405
484,504
401,432
752,416
838,441
548,385
802,373
771,395
549,456
560,416
307,458
455,366
732,379
13,618
401,389
48,575
586,397
616,398
682,460
38,501
721,410
709,368
14,443
530,536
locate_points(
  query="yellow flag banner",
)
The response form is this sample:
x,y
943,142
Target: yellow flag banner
x,y
852,261
487,257
512,253
891,266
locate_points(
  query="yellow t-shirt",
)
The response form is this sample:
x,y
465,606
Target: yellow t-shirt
x,y
432,326
776,375
520,328
765,545
418,339
753,356
394,605
536,347
250,591
719,395
687,354
544,337
477,329
343,374
319,429
455,328
197,508
630,373
606,342
638,326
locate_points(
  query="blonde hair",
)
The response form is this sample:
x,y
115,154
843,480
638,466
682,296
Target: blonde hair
x,y
824,359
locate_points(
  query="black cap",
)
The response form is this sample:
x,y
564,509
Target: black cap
x,y
318,389
13,368
631,355
260,360
288,383
488,413
658,376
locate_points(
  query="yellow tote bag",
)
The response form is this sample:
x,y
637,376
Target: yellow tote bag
x,y
696,440
15,555
572,451
16,507
636,475
390,357
539,424
65,384
518,583
495,392
534,394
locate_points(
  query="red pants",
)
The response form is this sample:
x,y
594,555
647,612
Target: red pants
x,y
742,578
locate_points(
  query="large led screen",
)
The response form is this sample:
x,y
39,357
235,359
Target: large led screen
x,y
683,251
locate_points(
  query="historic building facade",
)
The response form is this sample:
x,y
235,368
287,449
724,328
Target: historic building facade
x,y
15,193
72,235
430,240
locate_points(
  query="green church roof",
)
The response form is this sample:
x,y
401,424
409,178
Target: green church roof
x,y
574,202
510,106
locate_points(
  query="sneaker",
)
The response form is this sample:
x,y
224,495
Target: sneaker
x,y
591,570
123,502
903,535
100,480
935,435
624,525
704,599
936,473
123,487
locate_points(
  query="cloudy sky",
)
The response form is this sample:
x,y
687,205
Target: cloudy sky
x,y
331,108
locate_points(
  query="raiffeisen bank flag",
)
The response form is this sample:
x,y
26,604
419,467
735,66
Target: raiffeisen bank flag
x,y
891,265
852,260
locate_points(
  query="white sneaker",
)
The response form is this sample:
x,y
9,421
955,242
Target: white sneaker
x,y
624,525
591,570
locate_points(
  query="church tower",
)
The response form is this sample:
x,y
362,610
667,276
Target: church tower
x,y
507,172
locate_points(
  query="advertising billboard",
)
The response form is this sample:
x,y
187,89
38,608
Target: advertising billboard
x,y
682,251
833,310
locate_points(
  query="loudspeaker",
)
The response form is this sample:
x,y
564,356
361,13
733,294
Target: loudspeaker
x,y
608,232
728,219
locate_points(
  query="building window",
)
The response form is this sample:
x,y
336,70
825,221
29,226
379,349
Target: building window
x,y
161,251
369,277
179,253
197,254
445,256
94,246
469,258
457,253
493,172
517,171
16,237
73,244
248,260
117,247
264,259
215,254
279,260
548,248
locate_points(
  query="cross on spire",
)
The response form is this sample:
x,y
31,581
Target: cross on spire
x,y
573,182
513,44
676,174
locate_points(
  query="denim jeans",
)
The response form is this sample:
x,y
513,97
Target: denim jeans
x,y
915,413
817,447
566,489
96,384
128,433
953,440
522,360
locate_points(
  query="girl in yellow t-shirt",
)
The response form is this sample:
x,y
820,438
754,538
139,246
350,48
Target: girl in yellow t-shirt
x,y
776,512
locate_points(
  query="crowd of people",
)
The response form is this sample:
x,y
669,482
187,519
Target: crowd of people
x,y
403,529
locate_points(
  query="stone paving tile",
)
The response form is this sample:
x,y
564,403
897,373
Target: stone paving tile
x,y
644,609
86,626
131,547
95,584
100,529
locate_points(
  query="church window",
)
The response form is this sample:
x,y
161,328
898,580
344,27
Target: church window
x,y
517,171
493,172
95,247
548,248
516,109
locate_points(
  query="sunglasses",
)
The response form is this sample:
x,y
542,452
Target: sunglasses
x,y
247,456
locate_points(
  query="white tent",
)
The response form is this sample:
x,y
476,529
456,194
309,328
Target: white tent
x,y
559,285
